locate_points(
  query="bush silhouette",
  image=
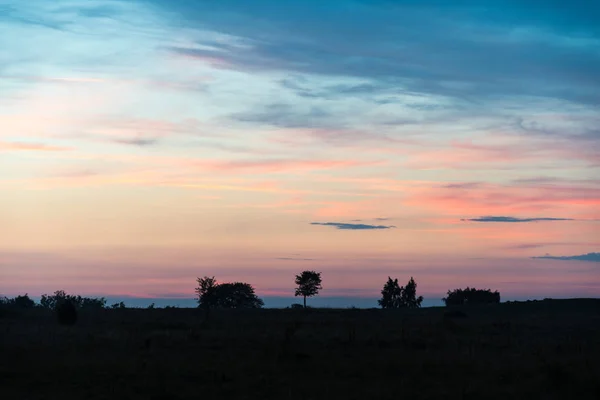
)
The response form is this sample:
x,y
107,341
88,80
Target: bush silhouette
x,y
66,313
467,296
52,301
19,302
118,305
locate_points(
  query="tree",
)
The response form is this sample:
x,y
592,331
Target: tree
x,y
471,296
409,295
19,302
396,296
391,294
206,292
52,301
309,284
225,295
237,295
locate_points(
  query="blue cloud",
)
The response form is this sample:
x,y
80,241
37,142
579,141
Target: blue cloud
x,y
592,257
497,49
347,226
513,219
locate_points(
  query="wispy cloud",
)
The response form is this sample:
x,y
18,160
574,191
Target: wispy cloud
x,y
24,146
276,165
486,59
348,226
141,142
592,257
230,115
464,185
513,219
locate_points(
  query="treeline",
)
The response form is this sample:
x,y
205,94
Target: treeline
x,y
211,294
52,301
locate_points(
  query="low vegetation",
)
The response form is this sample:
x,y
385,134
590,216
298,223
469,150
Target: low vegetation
x,y
73,347
528,350
470,296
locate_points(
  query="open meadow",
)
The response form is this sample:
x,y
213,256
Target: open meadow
x,y
530,350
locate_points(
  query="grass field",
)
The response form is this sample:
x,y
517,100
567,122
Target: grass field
x,y
532,350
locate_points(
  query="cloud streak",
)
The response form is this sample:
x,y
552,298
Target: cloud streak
x,y
513,219
23,146
590,257
348,226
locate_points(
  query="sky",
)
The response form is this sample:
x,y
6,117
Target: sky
x,y
145,143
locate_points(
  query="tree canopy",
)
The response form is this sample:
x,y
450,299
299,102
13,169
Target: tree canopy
x,y
226,295
395,296
206,292
237,295
309,284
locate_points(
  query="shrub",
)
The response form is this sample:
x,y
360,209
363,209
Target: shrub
x,y
118,305
51,301
471,296
19,302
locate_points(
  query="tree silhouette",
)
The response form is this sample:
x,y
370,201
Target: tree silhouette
x,y
396,296
226,295
237,295
309,284
409,295
118,305
206,292
52,301
471,296
391,294
20,302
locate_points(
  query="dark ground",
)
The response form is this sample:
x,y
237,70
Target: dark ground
x,y
532,350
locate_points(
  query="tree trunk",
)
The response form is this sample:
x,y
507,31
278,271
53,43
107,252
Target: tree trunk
x,y
304,301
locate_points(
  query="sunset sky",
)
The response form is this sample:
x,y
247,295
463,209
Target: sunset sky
x,y
145,143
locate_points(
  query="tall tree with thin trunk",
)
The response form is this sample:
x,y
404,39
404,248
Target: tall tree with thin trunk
x,y
207,293
309,284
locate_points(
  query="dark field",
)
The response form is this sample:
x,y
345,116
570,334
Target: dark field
x,y
533,350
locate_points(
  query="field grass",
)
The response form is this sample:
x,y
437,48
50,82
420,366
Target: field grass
x,y
532,350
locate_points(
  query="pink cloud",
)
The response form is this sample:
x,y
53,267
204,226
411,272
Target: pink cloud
x,y
23,146
499,200
275,166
